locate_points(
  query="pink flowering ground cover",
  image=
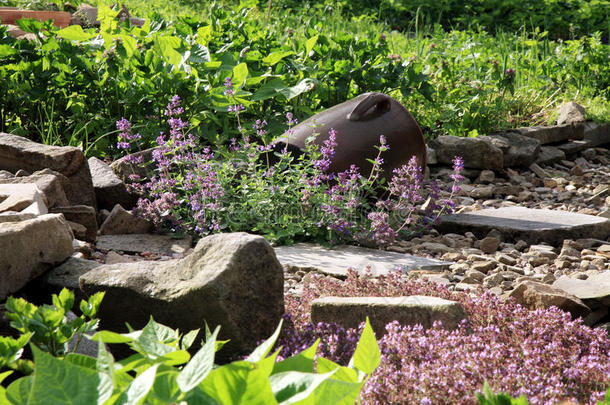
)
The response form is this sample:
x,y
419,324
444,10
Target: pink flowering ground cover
x,y
542,354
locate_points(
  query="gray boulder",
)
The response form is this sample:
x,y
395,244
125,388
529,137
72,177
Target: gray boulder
x,y
83,215
570,113
109,189
120,221
233,280
520,150
478,153
18,153
51,184
31,247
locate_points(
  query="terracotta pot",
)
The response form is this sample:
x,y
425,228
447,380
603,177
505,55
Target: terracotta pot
x,y
359,122
60,19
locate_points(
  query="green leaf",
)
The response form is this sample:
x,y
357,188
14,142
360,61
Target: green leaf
x,y
347,374
200,365
188,339
89,308
65,299
3,398
57,381
268,90
302,361
139,387
335,392
81,360
264,348
19,391
199,54
205,34
74,33
240,73
29,25
165,388
107,336
240,382
274,57
7,50
310,43
292,386
130,44
300,88
367,355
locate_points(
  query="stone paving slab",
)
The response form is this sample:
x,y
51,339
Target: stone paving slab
x,y
335,261
412,310
531,225
164,245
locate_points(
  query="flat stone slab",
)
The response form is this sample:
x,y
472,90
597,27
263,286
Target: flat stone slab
x,y
335,262
596,286
349,312
164,245
531,225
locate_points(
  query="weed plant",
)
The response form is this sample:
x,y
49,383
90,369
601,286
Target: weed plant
x,y
69,86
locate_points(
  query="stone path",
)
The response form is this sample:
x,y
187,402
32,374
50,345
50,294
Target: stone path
x,y
335,261
527,224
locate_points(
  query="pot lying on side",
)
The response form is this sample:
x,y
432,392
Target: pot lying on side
x,y
359,122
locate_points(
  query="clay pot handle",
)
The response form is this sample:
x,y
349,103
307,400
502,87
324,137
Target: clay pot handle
x,y
365,111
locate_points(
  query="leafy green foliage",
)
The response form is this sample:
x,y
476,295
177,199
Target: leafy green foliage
x,y
151,378
47,327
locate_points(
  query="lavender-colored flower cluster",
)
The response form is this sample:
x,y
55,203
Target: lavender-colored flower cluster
x,y
542,354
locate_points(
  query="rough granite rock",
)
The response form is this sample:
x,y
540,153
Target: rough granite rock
x,y
233,280
349,312
31,247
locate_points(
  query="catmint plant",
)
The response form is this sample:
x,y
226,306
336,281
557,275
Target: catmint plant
x,y
200,190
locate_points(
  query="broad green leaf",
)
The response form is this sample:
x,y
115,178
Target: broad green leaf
x,y
367,355
310,43
107,336
302,361
29,25
240,382
199,54
274,57
19,391
269,90
7,50
264,348
175,358
89,308
167,46
57,381
300,88
188,339
104,364
11,349
165,388
240,73
335,392
130,44
65,299
139,387
74,33
3,398
81,360
200,365
205,34
293,386
347,374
